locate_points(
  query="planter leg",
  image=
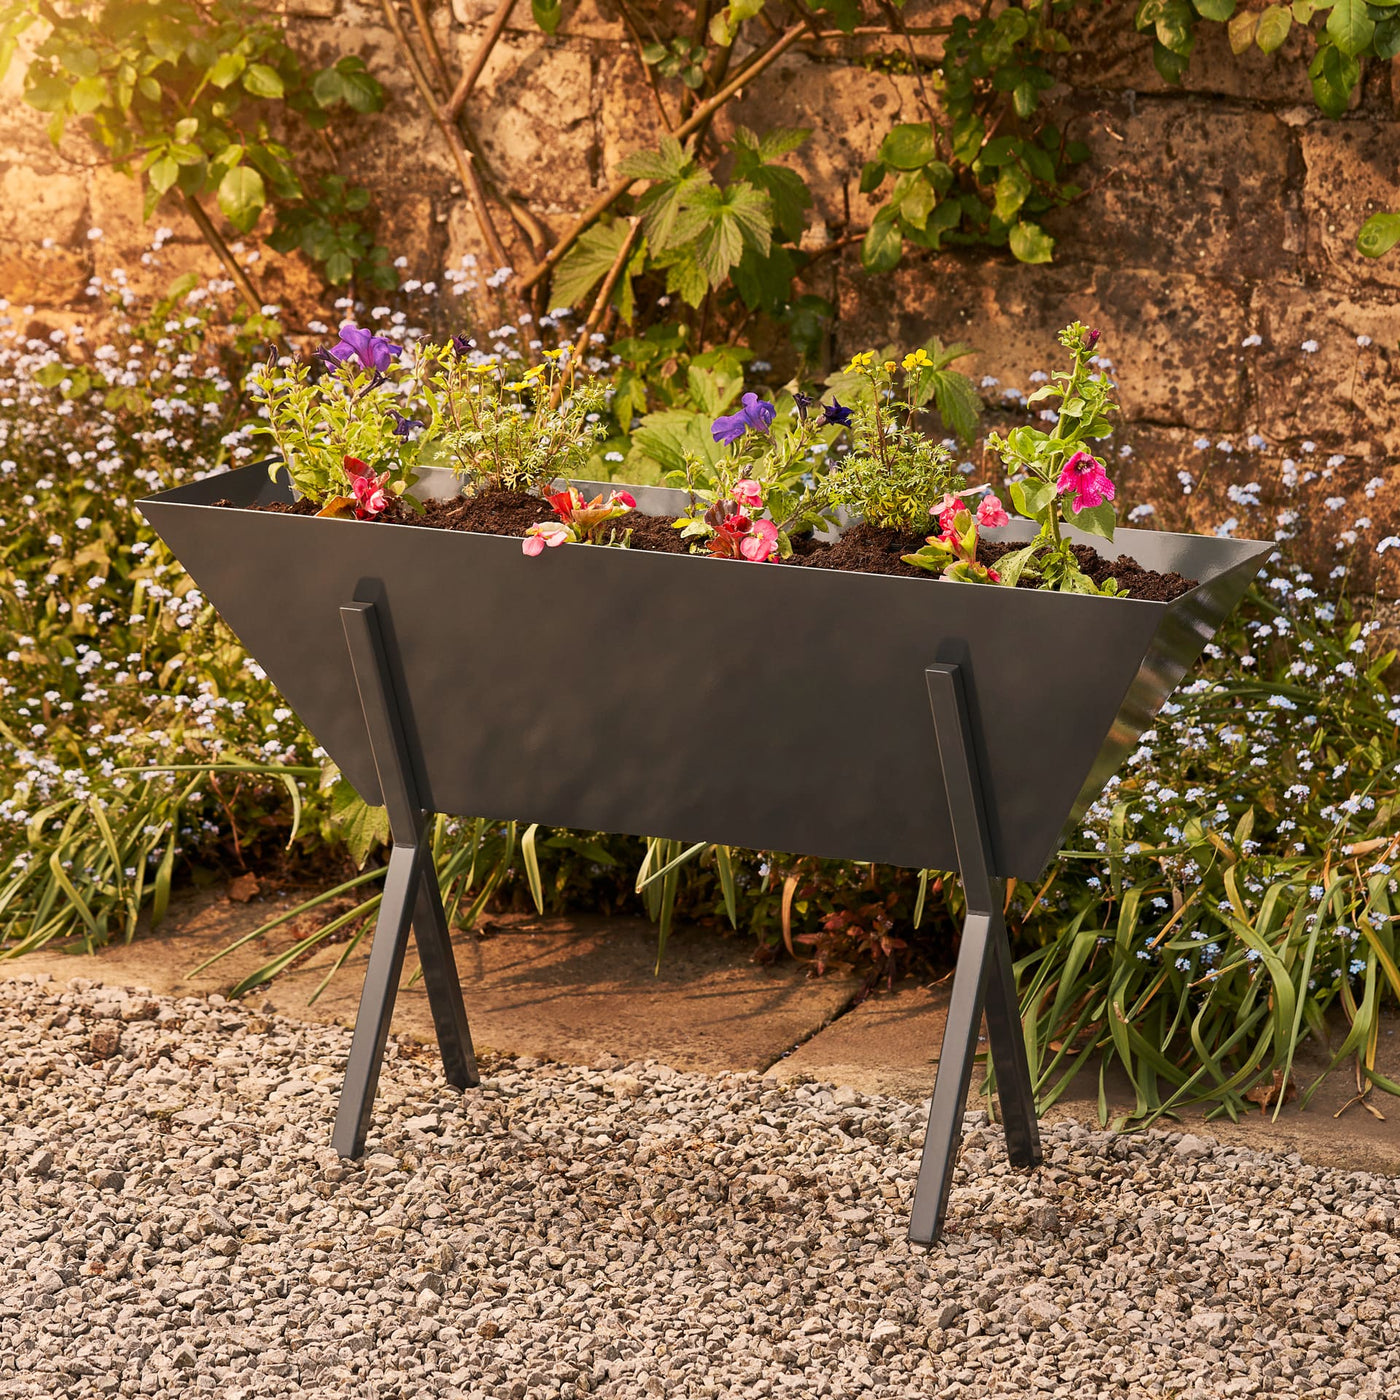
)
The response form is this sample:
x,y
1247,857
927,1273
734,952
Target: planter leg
x,y
983,978
411,899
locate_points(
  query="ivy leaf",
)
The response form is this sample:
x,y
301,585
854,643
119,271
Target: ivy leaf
x,y
1378,235
883,245
1030,243
908,147
263,81
242,196
547,14
162,174
227,68
1242,30
1274,23
1334,75
1013,185
1351,27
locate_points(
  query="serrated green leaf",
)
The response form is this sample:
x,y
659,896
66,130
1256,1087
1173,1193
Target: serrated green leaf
x,y
363,828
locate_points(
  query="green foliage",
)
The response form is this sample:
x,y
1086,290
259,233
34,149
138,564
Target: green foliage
x,y
493,421
895,475
1038,463
190,99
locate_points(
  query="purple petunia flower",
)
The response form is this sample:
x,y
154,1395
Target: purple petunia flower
x,y
372,351
404,427
756,414
834,413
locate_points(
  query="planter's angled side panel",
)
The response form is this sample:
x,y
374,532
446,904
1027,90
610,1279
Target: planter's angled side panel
x,y
772,707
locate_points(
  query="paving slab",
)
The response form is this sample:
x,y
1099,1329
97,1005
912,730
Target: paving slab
x,y
889,1044
572,990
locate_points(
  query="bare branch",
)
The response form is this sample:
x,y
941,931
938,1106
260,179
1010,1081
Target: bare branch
x,y
464,88
215,240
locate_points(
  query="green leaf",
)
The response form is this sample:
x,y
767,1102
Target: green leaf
x,y
1351,27
1172,66
227,68
1032,498
263,81
242,196
1014,563
1098,520
547,14
532,865
1386,44
327,88
162,174
1012,187
1030,243
872,176
359,825
1218,10
87,95
362,92
845,14
908,147
1334,76
1175,27
959,403
1025,98
720,223
1378,235
1242,30
883,245
1274,24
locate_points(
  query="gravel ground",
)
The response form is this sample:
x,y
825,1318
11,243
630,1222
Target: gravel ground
x,y
173,1223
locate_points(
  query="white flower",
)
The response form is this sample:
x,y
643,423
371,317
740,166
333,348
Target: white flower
x,y
94,234
1309,347
1363,341
1250,341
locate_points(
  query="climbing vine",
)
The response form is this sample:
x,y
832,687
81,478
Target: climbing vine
x,y
199,103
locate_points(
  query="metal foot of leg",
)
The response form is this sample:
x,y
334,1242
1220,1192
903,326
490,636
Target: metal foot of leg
x,y
411,899
983,980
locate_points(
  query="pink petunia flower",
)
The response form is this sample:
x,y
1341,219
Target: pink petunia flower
x,y
748,493
991,513
761,542
1085,477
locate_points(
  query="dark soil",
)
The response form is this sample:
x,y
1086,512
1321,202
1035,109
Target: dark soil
x,y
872,549
868,549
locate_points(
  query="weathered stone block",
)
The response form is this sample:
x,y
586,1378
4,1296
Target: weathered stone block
x,y
43,276
533,114
1341,392
40,202
1109,53
1350,172
1184,181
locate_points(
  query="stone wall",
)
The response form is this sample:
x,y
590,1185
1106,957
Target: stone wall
x,y
1216,212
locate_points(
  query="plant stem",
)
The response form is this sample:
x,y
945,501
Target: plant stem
x,y
425,30
696,119
648,69
215,240
463,90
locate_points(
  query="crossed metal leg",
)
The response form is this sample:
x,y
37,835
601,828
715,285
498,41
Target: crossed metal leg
x,y
983,980
411,899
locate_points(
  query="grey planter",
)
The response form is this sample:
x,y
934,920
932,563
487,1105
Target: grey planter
x,y
759,706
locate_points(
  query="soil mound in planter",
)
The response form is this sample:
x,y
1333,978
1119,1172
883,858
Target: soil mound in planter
x,y
875,549
869,549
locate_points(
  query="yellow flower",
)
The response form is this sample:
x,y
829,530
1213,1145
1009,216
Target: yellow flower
x,y
485,367
552,354
862,361
890,366
534,373
918,359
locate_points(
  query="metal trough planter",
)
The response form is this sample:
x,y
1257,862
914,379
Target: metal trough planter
x,y
899,720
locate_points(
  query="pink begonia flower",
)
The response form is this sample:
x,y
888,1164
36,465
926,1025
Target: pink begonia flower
x,y
1084,475
946,511
748,493
991,513
761,542
551,533
370,498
